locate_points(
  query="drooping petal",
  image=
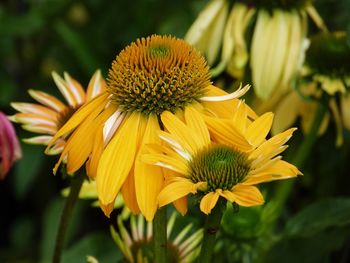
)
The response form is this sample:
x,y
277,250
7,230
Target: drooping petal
x,y
209,201
228,96
129,193
181,205
176,190
96,105
117,160
148,178
246,195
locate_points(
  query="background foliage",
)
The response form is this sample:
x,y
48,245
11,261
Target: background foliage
x,y
37,37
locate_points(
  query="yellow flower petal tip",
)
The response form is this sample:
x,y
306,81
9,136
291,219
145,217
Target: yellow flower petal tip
x,y
107,209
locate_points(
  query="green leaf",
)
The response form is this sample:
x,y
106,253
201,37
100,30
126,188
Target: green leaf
x,y
323,214
28,168
315,249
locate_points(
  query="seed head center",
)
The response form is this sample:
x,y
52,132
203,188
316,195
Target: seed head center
x,y
156,74
220,166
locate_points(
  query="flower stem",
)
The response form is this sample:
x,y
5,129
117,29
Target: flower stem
x,y
211,227
302,154
75,187
160,236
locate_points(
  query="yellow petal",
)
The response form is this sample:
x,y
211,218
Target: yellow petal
x,y
96,86
258,130
183,135
195,121
35,109
181,205
107,208
148,178
95,106
208,202
75,88
79,144
98,143
246,195
117,159
225,133
47,100
278,171
129,193
65,90
165,161
239,119
175,190
272,144
286,112
223,109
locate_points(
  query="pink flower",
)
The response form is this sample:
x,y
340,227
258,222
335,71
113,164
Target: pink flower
x,y
10,150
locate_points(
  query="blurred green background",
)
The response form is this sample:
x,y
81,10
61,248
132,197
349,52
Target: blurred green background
x,y
38,36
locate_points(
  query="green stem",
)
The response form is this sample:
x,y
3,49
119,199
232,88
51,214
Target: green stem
x,y
211,227
285,187
160,236
75,187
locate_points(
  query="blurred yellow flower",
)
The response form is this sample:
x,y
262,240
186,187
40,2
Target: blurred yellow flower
x,y
214,157
269,35
51,114
152,75
137,244
207,30
327,72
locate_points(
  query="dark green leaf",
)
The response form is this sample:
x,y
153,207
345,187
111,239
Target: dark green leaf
x,y
332,212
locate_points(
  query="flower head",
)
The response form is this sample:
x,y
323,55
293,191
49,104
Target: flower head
x,y
150,76
10,150
213,157
51,114
137,246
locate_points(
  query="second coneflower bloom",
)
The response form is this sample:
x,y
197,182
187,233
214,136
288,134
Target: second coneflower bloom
x,y
47,117
213,158
152,75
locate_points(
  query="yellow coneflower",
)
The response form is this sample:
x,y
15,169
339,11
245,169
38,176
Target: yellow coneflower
x,y
51,114
213,158
137,246
150,76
